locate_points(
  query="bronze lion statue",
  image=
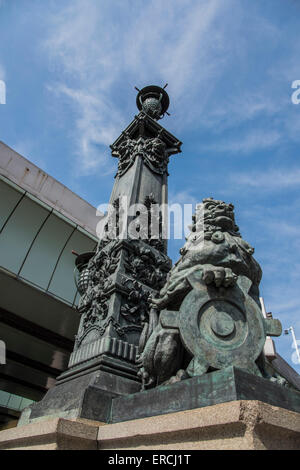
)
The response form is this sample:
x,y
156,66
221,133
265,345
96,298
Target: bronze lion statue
x,y
214,256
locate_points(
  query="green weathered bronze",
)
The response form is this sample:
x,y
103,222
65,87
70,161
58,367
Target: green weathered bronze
x,y
225,385
208,316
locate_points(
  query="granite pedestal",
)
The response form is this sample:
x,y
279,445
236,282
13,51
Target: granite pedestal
x,y
236,425
86,397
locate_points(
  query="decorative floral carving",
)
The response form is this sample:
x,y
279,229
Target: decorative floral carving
x,y
150,268
137,307
93,304
152,150
154,220
155,155
126,152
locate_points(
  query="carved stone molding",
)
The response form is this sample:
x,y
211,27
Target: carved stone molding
x,y
153,151
105,345
148,140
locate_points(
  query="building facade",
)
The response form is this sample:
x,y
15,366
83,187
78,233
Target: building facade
x,y
41,223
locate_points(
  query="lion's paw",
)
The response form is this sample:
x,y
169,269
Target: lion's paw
x,y
219,276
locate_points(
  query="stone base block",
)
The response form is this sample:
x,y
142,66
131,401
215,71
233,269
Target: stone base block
x,y
55,434
105,397
226,385
87,396
236,425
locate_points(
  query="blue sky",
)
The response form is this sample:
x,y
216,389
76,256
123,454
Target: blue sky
x,y
70,67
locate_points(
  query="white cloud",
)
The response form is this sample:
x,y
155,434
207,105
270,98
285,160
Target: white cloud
x,y
176,40
94,132
182,197
249,142
104,53
238,108
268,180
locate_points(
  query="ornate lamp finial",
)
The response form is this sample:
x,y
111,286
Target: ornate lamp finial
x,y
153,100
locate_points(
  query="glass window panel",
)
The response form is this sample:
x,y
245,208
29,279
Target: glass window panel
x,y
45,251
19,232
9,197
14,402
4,397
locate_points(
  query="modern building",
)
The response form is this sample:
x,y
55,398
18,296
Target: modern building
x,y
41,223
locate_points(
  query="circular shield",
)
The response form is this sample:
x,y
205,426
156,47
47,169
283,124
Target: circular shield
x,y
221,327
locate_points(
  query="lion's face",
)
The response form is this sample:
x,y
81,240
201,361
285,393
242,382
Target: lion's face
x,y
220,243
219,215
212,219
